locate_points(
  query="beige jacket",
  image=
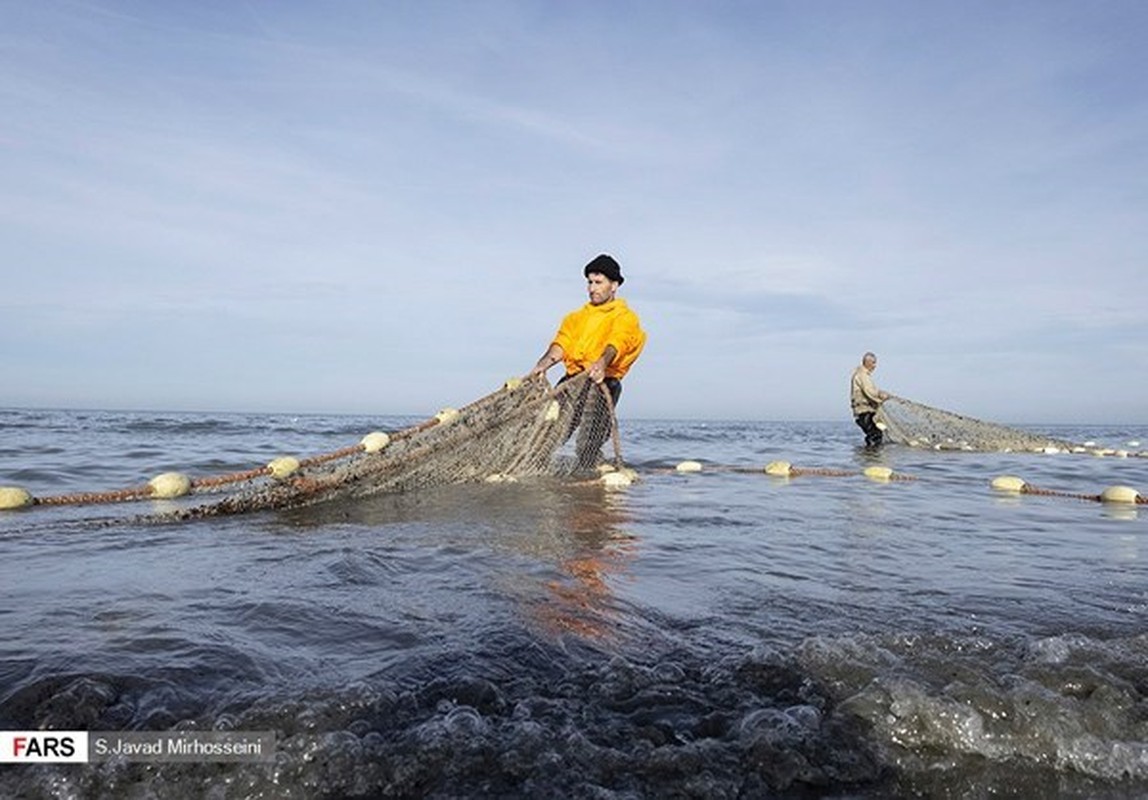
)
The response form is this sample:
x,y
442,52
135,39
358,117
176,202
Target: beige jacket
x,y
863,393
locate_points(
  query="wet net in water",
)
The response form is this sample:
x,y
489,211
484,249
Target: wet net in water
x,y
526,429
917,425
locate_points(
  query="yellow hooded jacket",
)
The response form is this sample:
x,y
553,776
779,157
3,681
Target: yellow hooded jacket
x,y
585,332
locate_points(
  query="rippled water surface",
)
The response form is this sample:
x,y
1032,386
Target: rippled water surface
x,y
715,634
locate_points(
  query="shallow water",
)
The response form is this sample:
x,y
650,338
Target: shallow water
x,y
718,634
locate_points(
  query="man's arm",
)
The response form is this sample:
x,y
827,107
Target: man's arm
x,y
551,357
869,389
598,368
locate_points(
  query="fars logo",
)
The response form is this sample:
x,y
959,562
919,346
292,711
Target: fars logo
x,y
31,747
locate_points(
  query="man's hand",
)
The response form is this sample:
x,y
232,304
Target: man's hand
x,y
551,357
597,371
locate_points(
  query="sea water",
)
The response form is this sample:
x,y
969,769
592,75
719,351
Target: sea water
x,y
714,634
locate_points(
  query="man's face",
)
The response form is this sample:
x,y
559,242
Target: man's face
x,y
600,288
870,363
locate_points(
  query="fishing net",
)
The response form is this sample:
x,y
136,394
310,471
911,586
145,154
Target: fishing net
x,y
918,425
526,429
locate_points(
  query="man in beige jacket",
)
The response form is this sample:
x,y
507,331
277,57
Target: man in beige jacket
x,y
866,398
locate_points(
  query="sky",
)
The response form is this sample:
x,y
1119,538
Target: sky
x,y
378,206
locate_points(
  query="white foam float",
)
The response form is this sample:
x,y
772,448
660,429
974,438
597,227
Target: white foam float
x,y
552,411
1009,484
283,466
12,497
619,479
375,441
169,484
1120,494
878,473
779,469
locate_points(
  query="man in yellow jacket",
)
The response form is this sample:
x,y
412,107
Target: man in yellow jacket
x,y
602,338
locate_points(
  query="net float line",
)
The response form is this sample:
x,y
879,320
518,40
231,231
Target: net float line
x,y
783,469
167,485
1010,484
152,491
1006,484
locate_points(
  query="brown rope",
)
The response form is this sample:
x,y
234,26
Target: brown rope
x,y
332,456
234,477
83,498
827,473
613,425
1029,489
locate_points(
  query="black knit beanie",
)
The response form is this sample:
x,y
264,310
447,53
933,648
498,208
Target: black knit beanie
x,y
605,265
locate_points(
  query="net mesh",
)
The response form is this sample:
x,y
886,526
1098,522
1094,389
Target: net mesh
x,y
917,425
524,429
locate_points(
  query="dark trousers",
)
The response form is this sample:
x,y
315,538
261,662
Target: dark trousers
x,y
873,434
593,420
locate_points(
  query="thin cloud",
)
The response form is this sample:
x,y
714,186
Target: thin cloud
x,y
786,186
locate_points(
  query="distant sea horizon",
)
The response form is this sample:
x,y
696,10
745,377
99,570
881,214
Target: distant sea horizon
x,y
845,417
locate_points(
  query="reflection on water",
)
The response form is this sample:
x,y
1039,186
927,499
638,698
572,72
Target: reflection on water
x,y
577,538
581,601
